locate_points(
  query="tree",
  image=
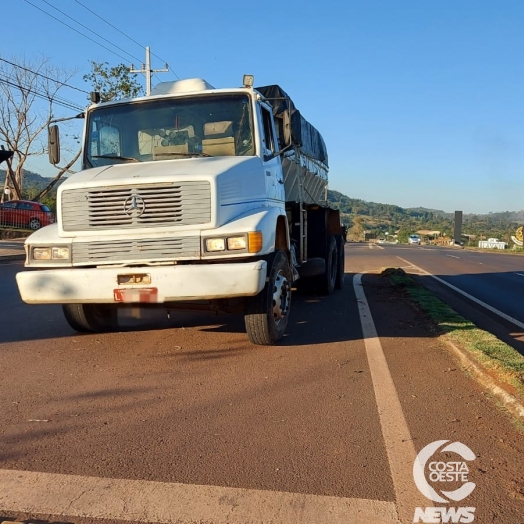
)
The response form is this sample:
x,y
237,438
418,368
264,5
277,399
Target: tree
x,y
22,119
356,231
403,235
113,83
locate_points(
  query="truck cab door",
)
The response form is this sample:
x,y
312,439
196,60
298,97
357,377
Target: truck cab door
x,y
272,164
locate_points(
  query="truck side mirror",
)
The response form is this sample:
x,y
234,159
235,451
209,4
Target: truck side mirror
x,y
53,144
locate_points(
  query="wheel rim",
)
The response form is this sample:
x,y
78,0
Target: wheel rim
x,y
281,298
34,223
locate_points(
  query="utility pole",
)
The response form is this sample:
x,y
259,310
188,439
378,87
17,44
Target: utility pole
x,y
146,69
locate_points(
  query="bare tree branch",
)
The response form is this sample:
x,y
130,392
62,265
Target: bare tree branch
x,y
23,123
63,170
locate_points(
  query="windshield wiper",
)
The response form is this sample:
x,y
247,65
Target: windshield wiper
x,y
116,157
188,154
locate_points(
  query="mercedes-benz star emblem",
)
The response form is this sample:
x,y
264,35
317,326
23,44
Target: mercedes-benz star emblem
x,y
134,205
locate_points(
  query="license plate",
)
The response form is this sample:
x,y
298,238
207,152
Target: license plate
x,y
144,294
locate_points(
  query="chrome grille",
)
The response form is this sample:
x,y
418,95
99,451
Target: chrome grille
x,y
184,203
147,249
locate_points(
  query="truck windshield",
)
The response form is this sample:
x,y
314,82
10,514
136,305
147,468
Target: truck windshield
x,y
166,129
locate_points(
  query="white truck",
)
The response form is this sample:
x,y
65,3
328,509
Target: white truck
x,y
191,197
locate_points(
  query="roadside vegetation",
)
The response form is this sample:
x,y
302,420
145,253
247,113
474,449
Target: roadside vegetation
x,y
383,220
497,358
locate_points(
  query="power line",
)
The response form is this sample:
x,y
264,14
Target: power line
x,y
122,33
108,23
43,76
55,98
85,27
58,100
79,32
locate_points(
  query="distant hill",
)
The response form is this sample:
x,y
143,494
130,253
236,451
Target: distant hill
x,y
378,219
362,207
35,180
438,212
34,183
508,216
353,206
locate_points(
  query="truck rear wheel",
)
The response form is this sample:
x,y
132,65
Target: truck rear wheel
x,y
339,284
268,312
90,318
328,280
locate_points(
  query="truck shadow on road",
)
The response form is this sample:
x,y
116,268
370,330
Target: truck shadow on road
x,y
314,319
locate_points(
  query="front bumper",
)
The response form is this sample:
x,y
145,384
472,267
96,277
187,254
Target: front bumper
x,y
170,283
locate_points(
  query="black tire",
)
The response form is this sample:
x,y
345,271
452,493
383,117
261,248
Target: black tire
x,y
91,318
267,313
306,285
309,276
328,280
339,283
34,224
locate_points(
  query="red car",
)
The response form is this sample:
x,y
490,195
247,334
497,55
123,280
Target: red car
x,y
25,214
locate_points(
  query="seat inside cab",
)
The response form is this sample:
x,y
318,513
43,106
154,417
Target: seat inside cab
x,y
219,140
174,141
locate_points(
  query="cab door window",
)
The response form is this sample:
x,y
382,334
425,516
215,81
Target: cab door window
x,y
269,136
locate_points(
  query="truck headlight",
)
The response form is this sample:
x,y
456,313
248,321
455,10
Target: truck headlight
x,y
60,253
50,253
237,242
41,253
251,242
215,244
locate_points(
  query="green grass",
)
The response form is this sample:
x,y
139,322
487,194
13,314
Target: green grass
x,y
490,352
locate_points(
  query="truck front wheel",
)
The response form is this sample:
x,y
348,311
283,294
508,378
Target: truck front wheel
x,y
91,318
268,312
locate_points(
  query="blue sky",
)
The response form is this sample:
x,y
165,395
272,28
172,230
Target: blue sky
x,y
419,101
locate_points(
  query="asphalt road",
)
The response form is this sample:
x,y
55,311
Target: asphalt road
x,y
322,428
493,279
497,279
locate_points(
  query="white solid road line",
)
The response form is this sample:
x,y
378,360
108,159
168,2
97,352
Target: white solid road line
x,y
467,295
452,256
397,439
160,502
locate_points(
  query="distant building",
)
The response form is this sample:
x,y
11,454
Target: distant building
x,y
492,243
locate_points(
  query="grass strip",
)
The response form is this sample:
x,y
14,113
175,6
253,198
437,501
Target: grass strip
x,y
499,359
